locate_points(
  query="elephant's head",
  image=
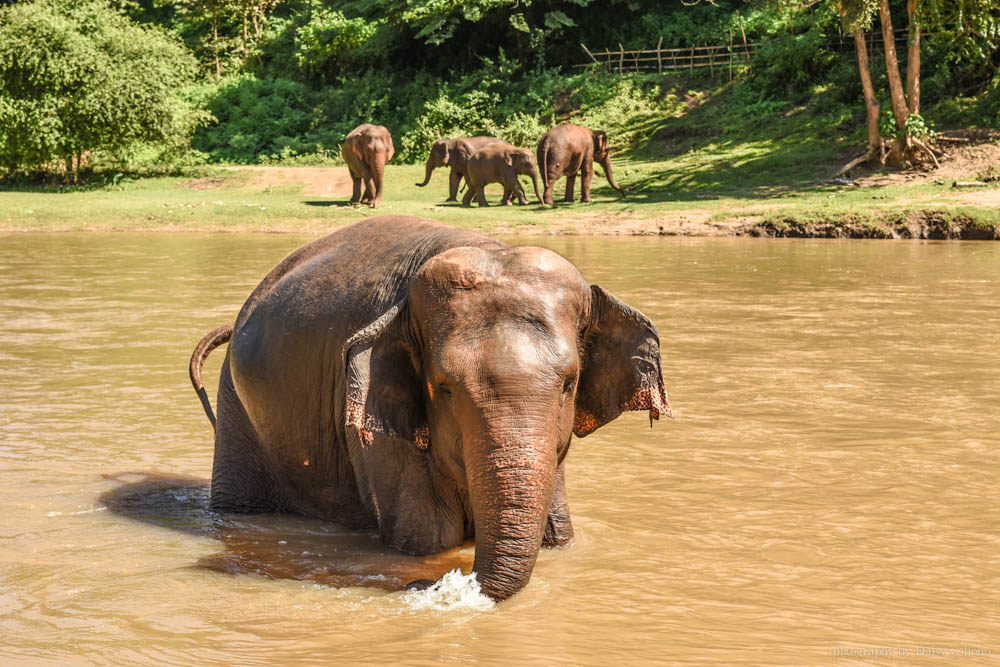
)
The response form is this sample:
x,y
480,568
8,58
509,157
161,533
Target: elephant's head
x,y
523,162
490,364
439,157
602,154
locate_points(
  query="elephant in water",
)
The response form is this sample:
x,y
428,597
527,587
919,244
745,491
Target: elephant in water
x,y
424,382
454,153
568,149
366,150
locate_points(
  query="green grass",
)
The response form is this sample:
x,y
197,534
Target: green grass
x,y
660,192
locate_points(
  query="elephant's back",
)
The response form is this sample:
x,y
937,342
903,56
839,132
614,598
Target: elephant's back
x,y
355,273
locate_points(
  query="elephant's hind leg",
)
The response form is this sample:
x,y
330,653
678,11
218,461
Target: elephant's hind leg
x,y
240,480
570,185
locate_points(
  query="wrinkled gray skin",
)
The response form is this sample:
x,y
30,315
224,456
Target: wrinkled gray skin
x,y
366,150
500,163
425,382
454,153
570,149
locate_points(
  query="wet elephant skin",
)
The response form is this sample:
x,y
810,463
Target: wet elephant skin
x,y
424,382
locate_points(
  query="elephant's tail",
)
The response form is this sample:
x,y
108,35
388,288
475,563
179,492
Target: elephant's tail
x,y
205,346
543,160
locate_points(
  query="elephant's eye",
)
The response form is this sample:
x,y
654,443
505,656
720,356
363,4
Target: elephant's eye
x,y
444,390
568,385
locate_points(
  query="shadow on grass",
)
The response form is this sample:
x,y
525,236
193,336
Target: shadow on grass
x,y
326,203
274,546
721,147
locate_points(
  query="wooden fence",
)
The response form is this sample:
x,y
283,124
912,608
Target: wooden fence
x,y
722,57
667,60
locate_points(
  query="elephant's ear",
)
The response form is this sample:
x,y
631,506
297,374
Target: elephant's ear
x,y
384,396
620,367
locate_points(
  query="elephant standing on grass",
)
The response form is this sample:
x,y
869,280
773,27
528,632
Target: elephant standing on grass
x,y
500,163
366,150
425,382
568,149
454,153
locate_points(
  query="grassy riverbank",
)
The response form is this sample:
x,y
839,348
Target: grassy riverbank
x,y
665,197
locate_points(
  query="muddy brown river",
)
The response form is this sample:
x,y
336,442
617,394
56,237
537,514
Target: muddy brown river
x,y
827,494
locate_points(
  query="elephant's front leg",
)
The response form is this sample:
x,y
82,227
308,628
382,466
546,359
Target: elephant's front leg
x,y
570,185
369,195
470,192
519,191
558,527
588,176
481,194
357,188
508,194
453,182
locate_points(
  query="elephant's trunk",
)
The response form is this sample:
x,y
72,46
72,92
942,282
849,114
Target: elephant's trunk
x,y
427,176
606,163
510,490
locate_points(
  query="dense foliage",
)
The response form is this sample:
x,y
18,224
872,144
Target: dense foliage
x,y
78,78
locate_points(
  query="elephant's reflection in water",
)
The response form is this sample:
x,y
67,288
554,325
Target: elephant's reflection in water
x,y
273,545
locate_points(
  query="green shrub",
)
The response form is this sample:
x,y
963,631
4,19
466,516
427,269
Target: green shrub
x,y
79,78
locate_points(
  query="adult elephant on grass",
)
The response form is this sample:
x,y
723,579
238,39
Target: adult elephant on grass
x,y
569,149
366,150
500,163
454,153
422,381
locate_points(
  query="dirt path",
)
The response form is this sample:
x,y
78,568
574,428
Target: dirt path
x,y
321,181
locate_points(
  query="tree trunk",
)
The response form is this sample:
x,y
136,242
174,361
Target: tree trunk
x,y
215,43
913,58
871,102
901,143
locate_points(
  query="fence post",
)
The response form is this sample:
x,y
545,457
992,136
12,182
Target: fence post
x,y
588,52
621,59
730,54
659,60
746,48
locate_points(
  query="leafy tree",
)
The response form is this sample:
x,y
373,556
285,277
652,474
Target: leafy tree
x,y
79,77
973,26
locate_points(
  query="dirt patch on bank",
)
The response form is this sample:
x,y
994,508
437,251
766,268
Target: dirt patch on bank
x,y
334,182
968,154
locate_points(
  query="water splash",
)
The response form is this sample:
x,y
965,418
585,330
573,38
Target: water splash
x,y
454,591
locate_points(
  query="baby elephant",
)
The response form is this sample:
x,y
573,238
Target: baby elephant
x,y
500,163
366,150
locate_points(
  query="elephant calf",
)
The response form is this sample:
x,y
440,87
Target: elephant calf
x,y
366,150
425,382
500,163
569,149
